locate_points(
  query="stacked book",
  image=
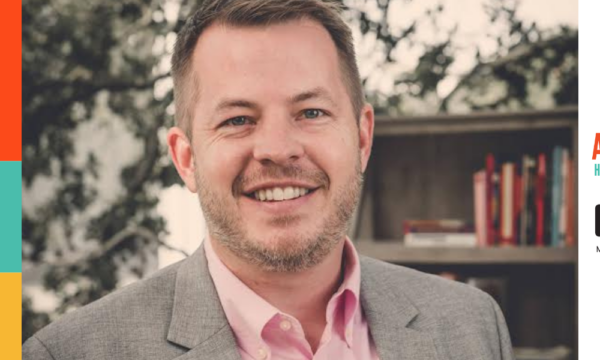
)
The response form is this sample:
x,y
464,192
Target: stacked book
x,y
526,202
560,352
438,233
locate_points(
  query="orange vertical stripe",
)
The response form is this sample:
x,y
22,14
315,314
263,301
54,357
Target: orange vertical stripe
x,y
10,88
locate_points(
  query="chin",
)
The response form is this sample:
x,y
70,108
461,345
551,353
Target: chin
x,y
282,239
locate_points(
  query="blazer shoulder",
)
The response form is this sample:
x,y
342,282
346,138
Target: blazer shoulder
x,y
145,305
449,312
429,293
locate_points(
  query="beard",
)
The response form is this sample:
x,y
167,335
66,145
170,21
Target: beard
x,y
289,253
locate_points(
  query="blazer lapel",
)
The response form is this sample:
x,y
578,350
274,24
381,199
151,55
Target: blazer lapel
x,y
198,322
220,346
389,314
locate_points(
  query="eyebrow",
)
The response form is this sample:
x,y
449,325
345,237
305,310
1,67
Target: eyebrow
x,y
235,103
318,92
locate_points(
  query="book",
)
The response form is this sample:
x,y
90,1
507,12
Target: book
x,y
440,240
517,205
527,214
530,201
491,179
570,234
557,189
560,352
507,209
439,226
522,229
562,221
540,200
480,207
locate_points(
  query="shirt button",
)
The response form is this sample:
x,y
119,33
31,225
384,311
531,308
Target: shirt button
x,y
262,353
285,325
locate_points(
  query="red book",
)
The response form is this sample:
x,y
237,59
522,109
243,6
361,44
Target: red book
x,y
570,236
489,199
540,193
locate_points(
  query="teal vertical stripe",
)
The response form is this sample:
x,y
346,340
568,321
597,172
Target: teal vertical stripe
x,y
10,216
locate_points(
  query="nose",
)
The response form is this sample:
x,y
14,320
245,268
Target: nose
x,y
277,141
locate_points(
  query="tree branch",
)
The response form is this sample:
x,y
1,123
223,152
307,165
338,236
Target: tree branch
x,y
91,86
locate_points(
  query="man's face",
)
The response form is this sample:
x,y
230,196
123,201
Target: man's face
x,y
277,153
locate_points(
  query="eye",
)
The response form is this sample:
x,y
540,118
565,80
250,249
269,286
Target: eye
x,y
312,113
237,121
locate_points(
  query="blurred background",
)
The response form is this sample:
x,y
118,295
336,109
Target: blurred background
x,y
103,205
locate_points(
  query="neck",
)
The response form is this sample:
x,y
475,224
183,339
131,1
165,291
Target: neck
x,y
303,295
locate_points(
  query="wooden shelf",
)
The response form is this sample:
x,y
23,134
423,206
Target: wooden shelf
x,y
395,252
564,117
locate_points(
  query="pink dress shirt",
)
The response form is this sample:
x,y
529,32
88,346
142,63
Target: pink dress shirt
x,y
263,332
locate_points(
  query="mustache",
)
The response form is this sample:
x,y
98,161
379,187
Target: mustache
x,y
278,172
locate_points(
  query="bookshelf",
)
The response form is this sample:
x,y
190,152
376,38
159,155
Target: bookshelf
x,y
391,252
422,168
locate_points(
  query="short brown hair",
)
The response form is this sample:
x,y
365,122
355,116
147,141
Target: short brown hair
x,y
258,13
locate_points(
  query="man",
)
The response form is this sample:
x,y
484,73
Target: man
x,y
273,134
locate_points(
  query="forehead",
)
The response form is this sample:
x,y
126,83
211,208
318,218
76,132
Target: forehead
x,y
280,59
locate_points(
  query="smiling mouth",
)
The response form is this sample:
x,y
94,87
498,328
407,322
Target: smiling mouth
x,y
279,193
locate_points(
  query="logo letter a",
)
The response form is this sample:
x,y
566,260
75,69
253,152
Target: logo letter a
x,y
596,146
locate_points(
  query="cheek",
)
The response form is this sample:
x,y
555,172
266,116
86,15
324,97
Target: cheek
x,y
220,165
337,155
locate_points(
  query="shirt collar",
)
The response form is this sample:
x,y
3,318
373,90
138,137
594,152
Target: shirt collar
x,y
249,317
346,300
246,312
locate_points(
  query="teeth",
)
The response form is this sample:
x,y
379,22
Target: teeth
x,y
277,194
280,194
288,193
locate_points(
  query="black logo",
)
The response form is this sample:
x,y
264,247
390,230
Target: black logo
x,y
598,220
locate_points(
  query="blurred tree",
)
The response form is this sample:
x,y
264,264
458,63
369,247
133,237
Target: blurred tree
x,y
95,90
539,71
529,67
97,101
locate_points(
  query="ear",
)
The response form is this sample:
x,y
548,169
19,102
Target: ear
x,y
181,152
365,134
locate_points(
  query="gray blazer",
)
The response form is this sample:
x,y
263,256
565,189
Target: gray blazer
x,y
176,314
